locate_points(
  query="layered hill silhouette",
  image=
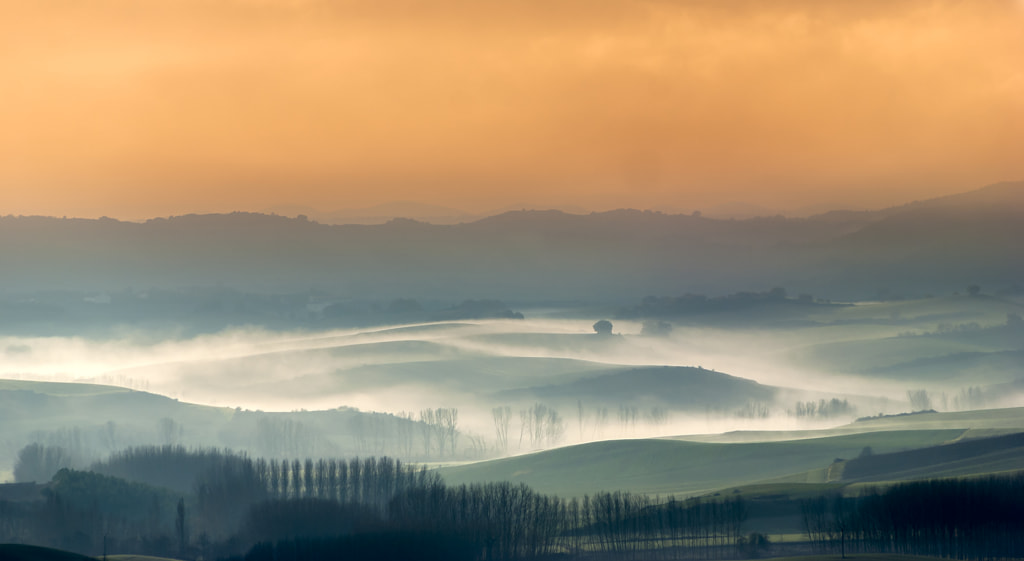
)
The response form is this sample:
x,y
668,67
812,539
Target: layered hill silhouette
x,y
89,420
935,246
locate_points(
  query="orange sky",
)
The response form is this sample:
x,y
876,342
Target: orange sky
x,y
132,108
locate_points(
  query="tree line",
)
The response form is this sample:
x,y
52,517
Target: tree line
x,y
172,501
950,518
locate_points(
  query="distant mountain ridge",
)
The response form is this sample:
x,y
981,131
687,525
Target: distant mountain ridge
x,y
935,246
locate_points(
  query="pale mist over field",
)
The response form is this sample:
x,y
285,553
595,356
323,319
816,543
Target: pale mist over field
x,y
477,365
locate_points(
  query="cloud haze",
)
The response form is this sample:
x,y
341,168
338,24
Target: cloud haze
x,y
140,109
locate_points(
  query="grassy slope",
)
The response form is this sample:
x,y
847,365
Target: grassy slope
x,y
979,423
680,467
761,462
31,406
964,457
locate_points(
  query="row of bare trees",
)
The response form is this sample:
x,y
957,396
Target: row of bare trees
x,y
439,428
542,426
208,502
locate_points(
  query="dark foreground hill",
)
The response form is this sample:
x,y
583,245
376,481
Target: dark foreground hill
x,y
21,552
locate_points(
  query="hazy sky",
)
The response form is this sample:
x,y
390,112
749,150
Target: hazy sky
x,y
133,108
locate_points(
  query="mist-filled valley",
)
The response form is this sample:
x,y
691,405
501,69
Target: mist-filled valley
x,y
625,385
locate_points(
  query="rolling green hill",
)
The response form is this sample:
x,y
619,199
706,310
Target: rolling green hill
x,y
656,466
672,387
961,458
976,423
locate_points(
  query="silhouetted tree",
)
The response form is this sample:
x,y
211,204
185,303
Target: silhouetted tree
x,y
179,526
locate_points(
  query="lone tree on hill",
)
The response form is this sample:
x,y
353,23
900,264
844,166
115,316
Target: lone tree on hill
x,y
603,327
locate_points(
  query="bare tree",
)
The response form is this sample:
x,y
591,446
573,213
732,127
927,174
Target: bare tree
x,y
502,420
447,423
405,427
600,421
427,422
524,425
179,526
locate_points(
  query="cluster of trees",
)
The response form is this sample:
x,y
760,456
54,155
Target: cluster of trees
x,y
439,430
69,447
504,521
919,400
80,510
1014,323
171,501
754,410
426,435
541,426
968,398
691,304
37,462
410,309
272,507
225,484
279,509
952,518
824,409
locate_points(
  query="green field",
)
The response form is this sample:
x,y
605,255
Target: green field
x,y
655,466
788,463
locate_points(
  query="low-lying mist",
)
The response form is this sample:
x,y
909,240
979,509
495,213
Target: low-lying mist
x,y
467,365
480,388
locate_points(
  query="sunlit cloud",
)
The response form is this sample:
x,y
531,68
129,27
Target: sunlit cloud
x,y
165,107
